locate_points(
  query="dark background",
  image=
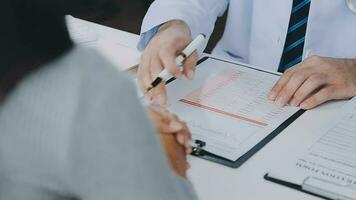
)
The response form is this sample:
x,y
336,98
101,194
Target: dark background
x,y
127,15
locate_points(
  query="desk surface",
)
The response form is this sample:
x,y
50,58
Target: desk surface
x,y
213,181
118,47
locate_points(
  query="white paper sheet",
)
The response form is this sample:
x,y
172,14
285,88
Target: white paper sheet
x,y
328,154
227,106
105,40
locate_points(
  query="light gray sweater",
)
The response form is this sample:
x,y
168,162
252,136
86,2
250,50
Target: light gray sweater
x,y
75,130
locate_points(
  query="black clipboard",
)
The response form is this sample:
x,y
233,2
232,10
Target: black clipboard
x,y
292,186
199,151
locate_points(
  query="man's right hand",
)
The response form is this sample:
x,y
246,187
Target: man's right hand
x,y
161,53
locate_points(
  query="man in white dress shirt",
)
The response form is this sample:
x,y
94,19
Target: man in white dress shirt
x,y
311,41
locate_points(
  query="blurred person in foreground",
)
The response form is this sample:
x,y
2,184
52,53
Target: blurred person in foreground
x,y
71,125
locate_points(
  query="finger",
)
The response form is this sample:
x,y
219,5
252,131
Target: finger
x,y
280,84
171,126
166,122
188,165
189,65
187,144
176,154
325,94
164,128
156,67
180,159
160,110
188,151
290,87
187,135
184,136
159,93
144,73
159,96
173,118
308,88
184,139
168,59
163,113
181,138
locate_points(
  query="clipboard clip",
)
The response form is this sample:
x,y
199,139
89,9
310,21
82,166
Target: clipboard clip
x,y
198,148
329,189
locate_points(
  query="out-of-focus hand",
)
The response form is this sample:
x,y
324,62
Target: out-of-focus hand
x,y
175,138
315,81
161,53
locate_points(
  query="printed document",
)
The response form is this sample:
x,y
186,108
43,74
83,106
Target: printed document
x,y
227,106
328,154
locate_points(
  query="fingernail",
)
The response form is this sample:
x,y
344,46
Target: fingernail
x,y
187,144
304,106
272,96
293,103
279,102
176,126
180,139
190,75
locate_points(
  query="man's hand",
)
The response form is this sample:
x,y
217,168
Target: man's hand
x,y
175,138
315,81
160,53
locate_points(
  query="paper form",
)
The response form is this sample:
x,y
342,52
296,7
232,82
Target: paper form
x,y
227,106
329,154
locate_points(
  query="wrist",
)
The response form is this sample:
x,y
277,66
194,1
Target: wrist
x,y
175,24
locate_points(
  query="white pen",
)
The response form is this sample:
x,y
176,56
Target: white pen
x,y
165,75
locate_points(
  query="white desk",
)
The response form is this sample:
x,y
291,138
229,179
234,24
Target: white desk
x,y
213,181
116,46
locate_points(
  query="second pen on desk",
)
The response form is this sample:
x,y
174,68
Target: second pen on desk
x,y
165,75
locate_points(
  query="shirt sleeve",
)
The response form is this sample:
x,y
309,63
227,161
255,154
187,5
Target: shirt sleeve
x,y
115,152
146,37
200,15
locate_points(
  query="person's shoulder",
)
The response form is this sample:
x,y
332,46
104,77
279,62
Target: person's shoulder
x,y
59,86
73,70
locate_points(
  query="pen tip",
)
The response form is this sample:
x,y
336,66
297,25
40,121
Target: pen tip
x,y
149,89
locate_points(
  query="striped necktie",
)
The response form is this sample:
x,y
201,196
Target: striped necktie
x,y
293,47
